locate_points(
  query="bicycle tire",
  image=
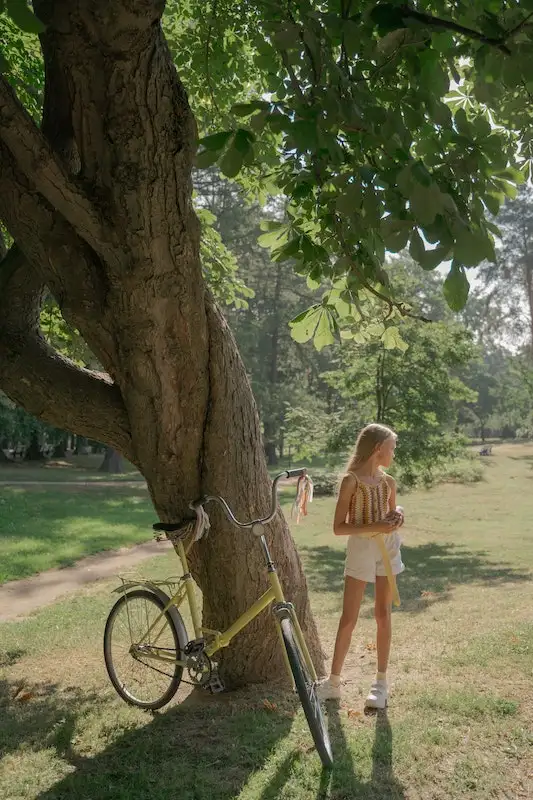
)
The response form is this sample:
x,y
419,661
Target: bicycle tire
x,y
307,693
173,618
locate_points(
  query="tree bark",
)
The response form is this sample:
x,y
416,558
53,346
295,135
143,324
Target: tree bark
x,y
117,143
34,451
234,466
112,462
60,450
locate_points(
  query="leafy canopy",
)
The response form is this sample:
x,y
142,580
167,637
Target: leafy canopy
x,y
387,126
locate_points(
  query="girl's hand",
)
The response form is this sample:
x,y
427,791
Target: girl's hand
x,y
386,525
396,516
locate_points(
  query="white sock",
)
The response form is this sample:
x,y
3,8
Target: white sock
x,y
335,680
381,676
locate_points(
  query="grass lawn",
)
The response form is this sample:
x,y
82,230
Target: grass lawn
x,y
74,469
460,721
41,527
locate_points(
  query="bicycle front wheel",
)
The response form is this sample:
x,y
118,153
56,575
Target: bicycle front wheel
x,y
307,692
141,679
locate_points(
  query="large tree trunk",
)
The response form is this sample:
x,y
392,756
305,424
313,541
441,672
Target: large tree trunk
x,y
112,462
60,450
106,222
34,451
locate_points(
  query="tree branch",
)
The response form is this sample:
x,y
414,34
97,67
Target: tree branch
x,y
449,25
43,382
66,263
37,161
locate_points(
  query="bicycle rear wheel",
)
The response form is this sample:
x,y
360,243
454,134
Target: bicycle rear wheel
x,y
144,681
307,692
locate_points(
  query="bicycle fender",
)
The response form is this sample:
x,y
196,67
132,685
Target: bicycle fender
x,y
125,587
165,599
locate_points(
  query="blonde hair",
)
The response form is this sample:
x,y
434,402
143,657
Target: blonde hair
x,y
370,438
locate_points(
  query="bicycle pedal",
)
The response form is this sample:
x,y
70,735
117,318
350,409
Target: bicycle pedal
x,y
194,646
215,684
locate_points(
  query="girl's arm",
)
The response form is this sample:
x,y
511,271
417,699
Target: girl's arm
x,y
392,498
343,528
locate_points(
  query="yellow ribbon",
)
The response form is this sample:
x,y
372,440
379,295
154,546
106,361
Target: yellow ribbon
x,y
388,568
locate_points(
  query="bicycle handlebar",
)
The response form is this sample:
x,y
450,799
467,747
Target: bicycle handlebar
x,y
288,473
295,473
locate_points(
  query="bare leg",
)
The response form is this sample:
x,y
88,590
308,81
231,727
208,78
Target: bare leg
x,y
354,590
382,610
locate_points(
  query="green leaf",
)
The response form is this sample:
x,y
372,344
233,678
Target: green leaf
x,y
349,201
206,158
304,134
392,339
216,141
395,233
247,109
233,159
351,33
289,250
456,288
276,235
471,247
432,258
231,162
425,203
416,247
303,326
482,127
325,330
243,140
461,122
23,17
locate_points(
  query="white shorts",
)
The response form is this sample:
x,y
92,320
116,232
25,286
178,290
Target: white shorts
x,y
363,557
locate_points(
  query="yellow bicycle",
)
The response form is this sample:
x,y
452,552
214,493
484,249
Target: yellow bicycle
x,y
146,646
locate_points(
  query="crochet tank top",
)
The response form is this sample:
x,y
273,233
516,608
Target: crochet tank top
x,y
369,503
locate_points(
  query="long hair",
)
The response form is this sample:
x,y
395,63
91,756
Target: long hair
x,y
371,437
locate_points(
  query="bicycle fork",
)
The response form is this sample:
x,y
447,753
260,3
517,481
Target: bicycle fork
x,y
281,610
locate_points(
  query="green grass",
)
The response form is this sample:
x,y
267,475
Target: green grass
x,y
42,528
74,469
459,723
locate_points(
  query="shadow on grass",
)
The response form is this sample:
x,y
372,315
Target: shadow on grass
x,y
343,781
432,571
40,716
191,751
199,750
100,519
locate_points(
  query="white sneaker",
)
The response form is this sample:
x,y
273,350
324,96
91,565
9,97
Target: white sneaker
x,y
327,691
378,695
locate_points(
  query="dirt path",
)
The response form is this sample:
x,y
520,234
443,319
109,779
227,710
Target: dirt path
x,y
20,598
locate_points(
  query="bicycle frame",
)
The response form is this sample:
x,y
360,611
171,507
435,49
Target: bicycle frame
x,y
222,639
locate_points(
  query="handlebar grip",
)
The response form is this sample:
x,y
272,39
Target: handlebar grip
x,y
295,473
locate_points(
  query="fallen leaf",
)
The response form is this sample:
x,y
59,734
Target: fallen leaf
x,y
24,697
352,712
270,706
427,594
17,691
371,646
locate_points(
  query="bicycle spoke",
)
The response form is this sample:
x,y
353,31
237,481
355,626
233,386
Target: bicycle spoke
x,y
143,680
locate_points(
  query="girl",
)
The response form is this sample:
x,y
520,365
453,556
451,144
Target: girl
x,y
366,506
